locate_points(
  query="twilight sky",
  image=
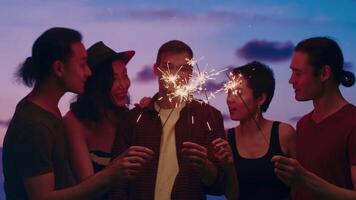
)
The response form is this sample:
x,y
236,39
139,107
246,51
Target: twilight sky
x,y
223,33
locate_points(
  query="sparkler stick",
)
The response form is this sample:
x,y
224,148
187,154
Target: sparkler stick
x,y
201,79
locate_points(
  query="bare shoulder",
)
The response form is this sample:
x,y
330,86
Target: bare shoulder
x,y
75,128
287,138
286,130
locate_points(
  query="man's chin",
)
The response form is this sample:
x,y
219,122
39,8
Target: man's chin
x,y
76,90
300,98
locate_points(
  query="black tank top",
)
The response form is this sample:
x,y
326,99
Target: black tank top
x,y
100,159
257,179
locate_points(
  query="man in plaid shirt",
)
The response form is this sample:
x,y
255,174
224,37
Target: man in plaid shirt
x,y
179,134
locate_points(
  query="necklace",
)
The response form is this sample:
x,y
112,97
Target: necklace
x,y
169,115
261,132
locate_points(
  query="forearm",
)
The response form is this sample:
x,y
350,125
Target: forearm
x,y
326,190
82,170
232,186
90,188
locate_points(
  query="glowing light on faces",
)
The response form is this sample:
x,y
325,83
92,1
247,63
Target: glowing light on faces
x,y
193,62
184,89
168,77
233,85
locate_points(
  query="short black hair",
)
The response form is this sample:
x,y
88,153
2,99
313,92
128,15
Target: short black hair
x,y
174,46
260,79
54,44
323,51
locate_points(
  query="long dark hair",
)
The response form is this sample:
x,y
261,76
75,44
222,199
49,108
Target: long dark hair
x,y
92,105
325,51
54,44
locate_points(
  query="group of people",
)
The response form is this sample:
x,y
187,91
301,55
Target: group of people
x,y
167,149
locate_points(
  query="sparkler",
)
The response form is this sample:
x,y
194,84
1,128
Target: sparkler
x,y
184,89
200,79
233,84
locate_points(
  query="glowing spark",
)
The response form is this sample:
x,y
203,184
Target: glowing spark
x,y
233,85
168,77
192,62
183,89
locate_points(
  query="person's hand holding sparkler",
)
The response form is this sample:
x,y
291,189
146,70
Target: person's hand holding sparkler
x,y
290,171
222,151
130,162
196,154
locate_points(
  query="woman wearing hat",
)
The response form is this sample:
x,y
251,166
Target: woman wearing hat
x,y
94,115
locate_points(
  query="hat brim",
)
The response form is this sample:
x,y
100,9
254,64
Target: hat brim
x,y
124,56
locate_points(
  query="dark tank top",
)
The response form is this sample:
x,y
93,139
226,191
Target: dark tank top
x,y
100,160
257,179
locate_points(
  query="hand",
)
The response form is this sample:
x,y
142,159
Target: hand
x,y
144,102
130,162
196,154
289,170
222,151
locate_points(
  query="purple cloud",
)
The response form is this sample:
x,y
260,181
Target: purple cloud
x,y
145,75
263,50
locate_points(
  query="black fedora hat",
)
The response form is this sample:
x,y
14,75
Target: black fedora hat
x,y
99,53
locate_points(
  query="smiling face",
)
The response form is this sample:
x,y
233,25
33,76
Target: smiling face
x,y
306,84
121,84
